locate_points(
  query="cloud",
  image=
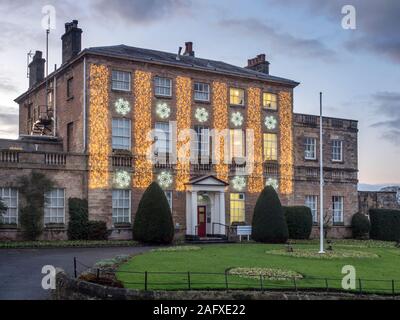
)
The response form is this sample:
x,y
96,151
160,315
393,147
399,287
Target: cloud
x,y
285,42
387,104
138,11
8,122
7,85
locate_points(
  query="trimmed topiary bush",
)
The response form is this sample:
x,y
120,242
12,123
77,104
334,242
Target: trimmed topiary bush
x,y
153,220
385,224
360,226
78,219
299,221
97,230
269,224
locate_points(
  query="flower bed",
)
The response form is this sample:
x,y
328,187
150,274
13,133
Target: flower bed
x,y
266,273
313,254
177,248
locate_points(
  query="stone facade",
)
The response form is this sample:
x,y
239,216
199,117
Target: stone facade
x,y
69,104
377,200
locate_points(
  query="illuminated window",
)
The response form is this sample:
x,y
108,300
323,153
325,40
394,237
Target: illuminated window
x,y
270,101
168,194
236,143
236,96
237,203
121,206
121,133
270,146
201,91
337,207
9,196
162,138
337,150
202,143
54,207
310,148
121,81
312,203
163,86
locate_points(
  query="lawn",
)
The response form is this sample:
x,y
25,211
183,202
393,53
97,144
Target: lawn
x,y
372,260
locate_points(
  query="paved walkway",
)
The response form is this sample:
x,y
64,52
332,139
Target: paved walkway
x,y
20,270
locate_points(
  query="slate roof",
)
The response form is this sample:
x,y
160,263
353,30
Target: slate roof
x,y
185,61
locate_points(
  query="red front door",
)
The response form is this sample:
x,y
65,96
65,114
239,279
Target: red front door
x,y
201,219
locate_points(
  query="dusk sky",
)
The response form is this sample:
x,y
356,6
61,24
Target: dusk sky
x,y
357,70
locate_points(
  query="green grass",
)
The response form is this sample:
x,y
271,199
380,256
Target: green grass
x,y
219,258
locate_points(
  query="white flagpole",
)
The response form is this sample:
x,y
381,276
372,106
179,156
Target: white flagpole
x,y
321,179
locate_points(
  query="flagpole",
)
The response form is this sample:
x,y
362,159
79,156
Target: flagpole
x,y
321,179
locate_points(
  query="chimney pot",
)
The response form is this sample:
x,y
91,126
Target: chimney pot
x,y
259,64
189,49
36,69
71,41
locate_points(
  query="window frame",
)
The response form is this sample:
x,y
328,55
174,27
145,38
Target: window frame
x,y
70,90
113,81
314,210
273,144
334,150
242,210
339,210
233,148
7,201
208,92
169,196
165,134
157,94
48,209
314,145
114,217
202,142
265,106
116,146
243,98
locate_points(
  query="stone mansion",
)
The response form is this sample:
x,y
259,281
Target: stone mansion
x,y
86,127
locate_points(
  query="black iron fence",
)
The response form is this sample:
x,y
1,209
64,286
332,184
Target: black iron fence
x,y
167,280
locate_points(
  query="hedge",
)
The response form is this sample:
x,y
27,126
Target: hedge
x,y
299,221
360,226
385,224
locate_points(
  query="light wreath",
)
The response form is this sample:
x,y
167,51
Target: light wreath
x,y
201,114
270,122
237,119
163,110
165,179
272,182
239,183
122,179
122,106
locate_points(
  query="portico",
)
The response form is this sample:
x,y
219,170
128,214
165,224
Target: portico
x,y
205,207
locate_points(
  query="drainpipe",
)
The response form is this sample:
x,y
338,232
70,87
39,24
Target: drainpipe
x,y
84,106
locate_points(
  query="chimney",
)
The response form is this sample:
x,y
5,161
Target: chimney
x,y
36,69
71,41
189,49
258,64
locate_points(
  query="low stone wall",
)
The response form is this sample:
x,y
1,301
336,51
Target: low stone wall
x,y
72,289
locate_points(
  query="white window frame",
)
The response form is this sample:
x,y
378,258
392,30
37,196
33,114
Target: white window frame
x,y
310,148
7,197
163,86
117,208
240,96
169,196
271,145
121,80
237,143
337,209
162,136
238,211
311,201
201,90
337,150
201,145
121,130
51,210
268,103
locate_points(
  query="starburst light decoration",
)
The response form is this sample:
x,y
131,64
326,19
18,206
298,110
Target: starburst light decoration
x,y
270,122
201,114
122,106
122,179
165,179
272,182
239,183
163,110
237,119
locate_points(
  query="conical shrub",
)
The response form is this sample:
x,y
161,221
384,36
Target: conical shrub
x,y
269,223
153,220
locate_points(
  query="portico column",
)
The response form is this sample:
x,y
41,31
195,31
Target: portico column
x,y
194,212
222,211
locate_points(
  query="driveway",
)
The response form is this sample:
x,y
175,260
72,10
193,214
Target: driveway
x,y
20,270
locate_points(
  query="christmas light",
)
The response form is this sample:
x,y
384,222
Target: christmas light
x,y
272,182
183,105
122,179
99,127
165,179
122,106
163,110
239,183
201,114
220,123
270,122
143,175
286,142
237,119
255,183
